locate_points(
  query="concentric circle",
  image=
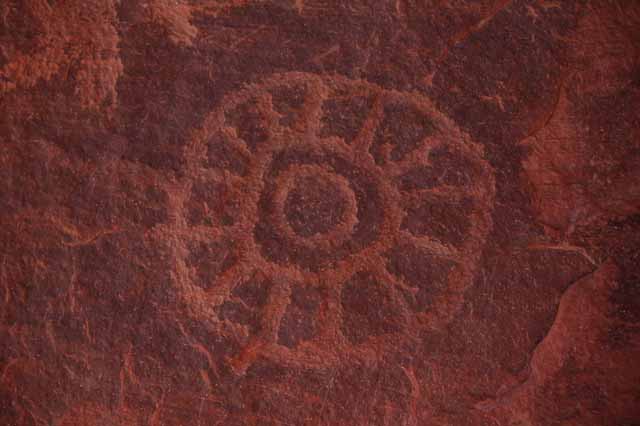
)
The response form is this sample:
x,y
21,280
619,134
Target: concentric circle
x,y
362,217
363,210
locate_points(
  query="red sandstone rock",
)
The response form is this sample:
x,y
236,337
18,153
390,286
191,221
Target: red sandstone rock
x,y
319,213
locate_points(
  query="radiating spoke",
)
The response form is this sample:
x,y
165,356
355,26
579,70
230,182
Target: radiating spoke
x,y
417,159
380,267
364,140
316,93
430,245
222,285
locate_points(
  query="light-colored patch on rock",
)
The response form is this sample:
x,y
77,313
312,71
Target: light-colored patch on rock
x,y
582,154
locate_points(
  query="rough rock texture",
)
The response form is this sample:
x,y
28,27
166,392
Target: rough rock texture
x,y
304,212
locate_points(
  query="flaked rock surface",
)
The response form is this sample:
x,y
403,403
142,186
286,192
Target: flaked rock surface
x,y
310,212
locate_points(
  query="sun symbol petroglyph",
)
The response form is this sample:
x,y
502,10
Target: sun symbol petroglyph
x,y
324,216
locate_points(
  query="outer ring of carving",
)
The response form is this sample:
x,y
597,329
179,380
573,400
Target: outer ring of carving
x,y
330,346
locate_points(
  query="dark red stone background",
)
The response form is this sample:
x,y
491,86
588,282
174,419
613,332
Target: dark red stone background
x,y
109,268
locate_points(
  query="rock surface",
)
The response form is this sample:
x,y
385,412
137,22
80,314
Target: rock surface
x,y
304,212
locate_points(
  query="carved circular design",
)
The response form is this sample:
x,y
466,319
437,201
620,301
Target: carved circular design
x,y
362,217
356,212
